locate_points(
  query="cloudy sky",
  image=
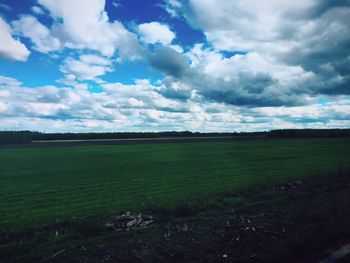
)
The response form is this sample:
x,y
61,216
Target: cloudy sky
x,y
142,65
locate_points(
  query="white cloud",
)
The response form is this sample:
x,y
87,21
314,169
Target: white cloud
x,y
252,79
95,60
177,48
135,102
84,24
11,48
116,4
7,81
292,32
3,106
88,67
172,7
213,64
29,26
296,50
4,93
244,24
140,106
155,32
37,10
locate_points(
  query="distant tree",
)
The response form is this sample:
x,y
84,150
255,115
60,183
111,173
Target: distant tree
x,y
15,137
25,137
310,133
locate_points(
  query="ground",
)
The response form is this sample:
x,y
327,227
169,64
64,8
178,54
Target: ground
x,y
296,217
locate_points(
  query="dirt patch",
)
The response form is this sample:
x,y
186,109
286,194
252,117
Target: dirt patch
x,y
128,221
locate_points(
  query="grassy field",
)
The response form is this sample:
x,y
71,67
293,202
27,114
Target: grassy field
x,y
41,186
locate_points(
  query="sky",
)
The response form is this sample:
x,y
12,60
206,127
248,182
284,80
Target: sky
x,y
142,65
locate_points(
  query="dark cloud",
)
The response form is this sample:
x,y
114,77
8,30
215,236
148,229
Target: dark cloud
x,y
314,37
252,89
325,49
245,90
168,61
49,98
323,6
171,93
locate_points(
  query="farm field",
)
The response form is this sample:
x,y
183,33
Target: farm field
x,y
229,201
42,186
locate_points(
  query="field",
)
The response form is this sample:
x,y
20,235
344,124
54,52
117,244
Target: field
x,y
45,185
41,186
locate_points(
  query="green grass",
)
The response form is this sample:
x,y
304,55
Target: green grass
x,y
42,186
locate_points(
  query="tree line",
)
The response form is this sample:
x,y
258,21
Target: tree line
x,y
15,137
26,137
310,133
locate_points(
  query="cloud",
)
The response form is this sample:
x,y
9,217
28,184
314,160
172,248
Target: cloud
x,y
177,48
264,65
155,32
28,26
7,81
138,106
77,109
5,7
242,25
116,4
85,25
324,50
88,67
292,51
11,48
37,10
250,80
172,7
168,61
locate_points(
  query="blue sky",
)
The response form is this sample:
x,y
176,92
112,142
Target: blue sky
x,y
140,65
